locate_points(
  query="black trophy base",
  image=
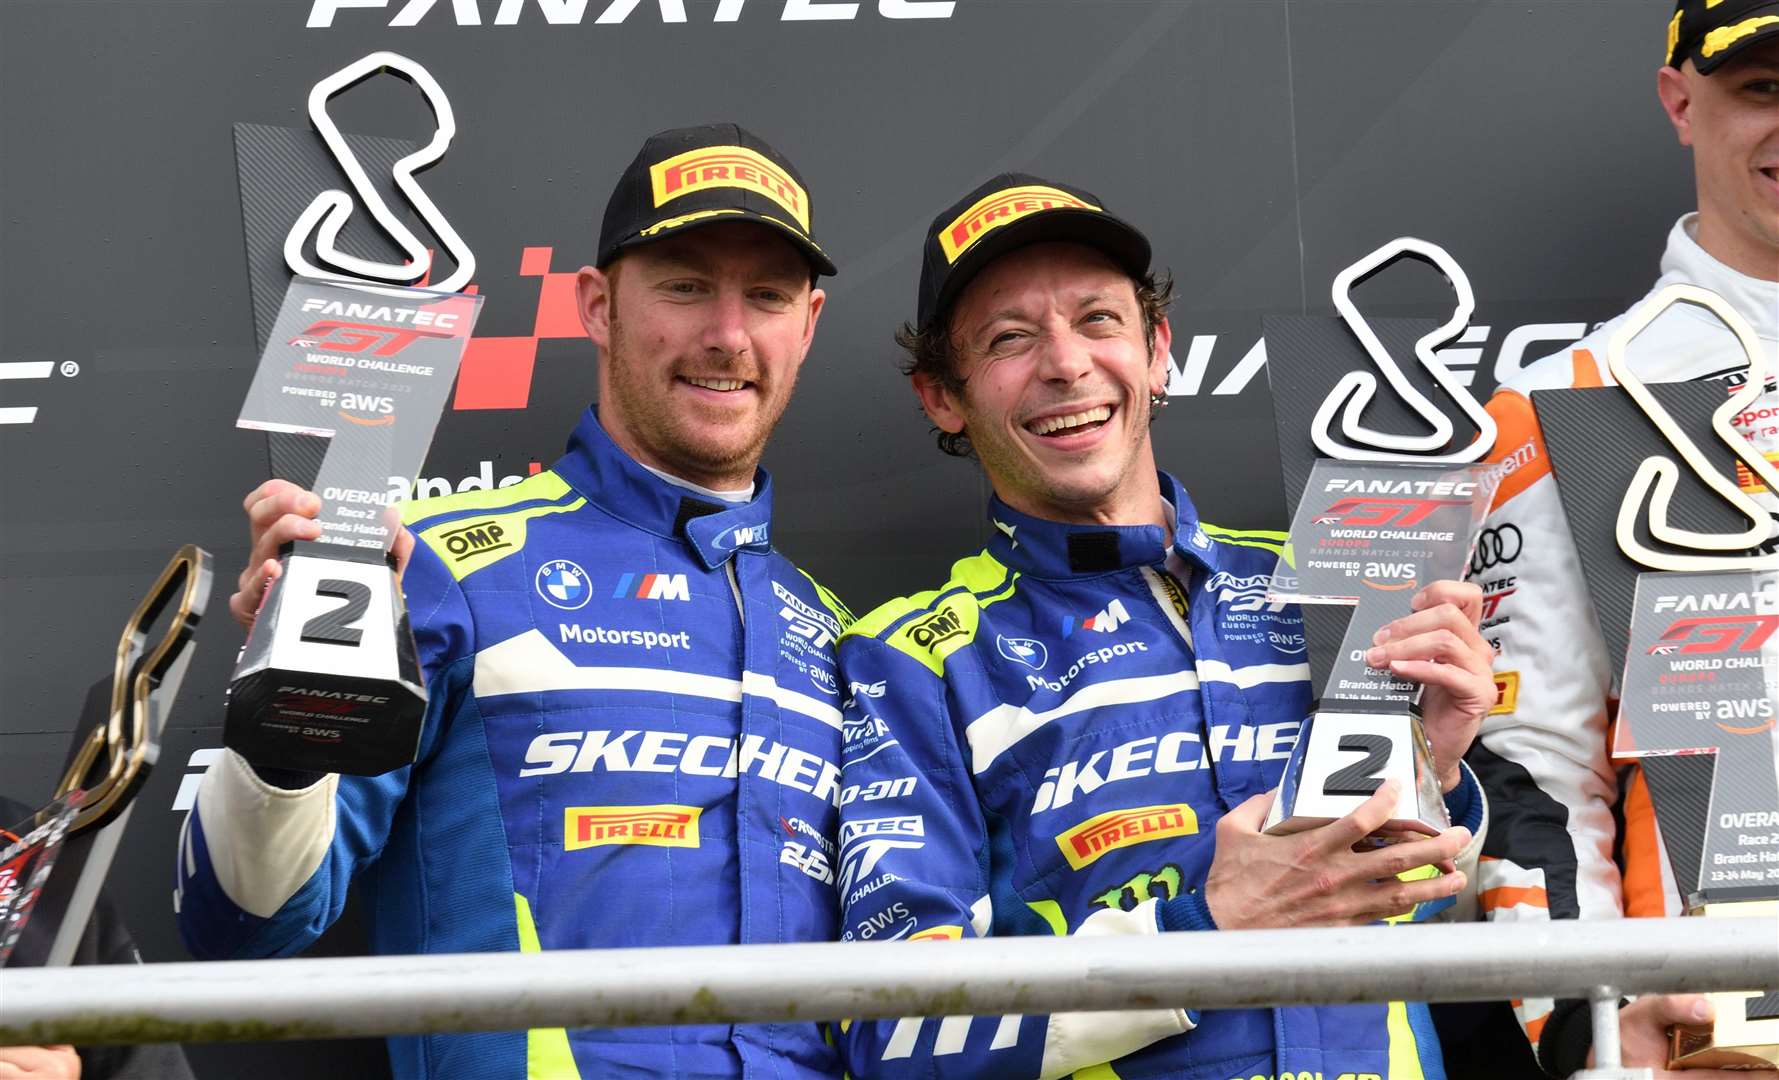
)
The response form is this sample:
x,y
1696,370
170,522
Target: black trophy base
x,y
329,680
312,722
1345,752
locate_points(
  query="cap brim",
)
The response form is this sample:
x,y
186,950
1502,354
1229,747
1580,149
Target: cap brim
x,y
818,259
1758,31
1116,239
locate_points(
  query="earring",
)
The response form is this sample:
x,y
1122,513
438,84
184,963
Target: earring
x,y
1157,401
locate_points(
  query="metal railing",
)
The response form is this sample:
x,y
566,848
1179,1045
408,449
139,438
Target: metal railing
x,y
357,996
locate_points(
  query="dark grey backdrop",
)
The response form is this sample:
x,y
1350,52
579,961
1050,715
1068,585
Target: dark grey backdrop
x,y
1263,144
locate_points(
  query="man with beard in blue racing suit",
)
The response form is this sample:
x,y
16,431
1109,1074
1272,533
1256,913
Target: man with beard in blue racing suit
x,y
633,729
1079,732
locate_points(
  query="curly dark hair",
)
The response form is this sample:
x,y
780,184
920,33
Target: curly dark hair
x,y
933,354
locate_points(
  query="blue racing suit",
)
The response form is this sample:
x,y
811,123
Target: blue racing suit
x,y
632,738
1045,746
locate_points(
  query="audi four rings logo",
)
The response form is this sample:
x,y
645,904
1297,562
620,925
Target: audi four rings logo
x,y
1496,547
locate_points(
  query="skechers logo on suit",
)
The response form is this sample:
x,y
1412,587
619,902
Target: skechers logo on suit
x,y
1175,752
676,752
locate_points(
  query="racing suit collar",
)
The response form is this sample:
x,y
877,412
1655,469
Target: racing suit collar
x,y
1754,299
1054,551
611,480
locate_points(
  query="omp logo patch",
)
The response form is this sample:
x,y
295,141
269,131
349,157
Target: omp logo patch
x,y
476,538
939,627
651,826
1085,843
1507,692
731,167
1001,208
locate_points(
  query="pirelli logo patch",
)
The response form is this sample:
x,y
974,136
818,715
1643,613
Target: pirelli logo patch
x,y
939,933
1001,208
1086,842
1507,692
653,826
731,167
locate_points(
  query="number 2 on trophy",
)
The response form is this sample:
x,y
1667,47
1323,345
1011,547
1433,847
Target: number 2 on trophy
x,y
1363,777
336,627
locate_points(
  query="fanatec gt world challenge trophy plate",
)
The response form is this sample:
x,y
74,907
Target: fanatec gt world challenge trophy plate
x,y
1685,581
1381,516
328,679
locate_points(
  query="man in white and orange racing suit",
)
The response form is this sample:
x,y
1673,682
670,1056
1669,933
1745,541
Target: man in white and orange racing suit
x,y
1572,835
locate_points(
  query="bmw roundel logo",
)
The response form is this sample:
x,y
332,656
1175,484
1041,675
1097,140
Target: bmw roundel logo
x,y
563,584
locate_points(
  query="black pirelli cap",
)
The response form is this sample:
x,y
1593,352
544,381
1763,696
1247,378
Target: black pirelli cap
x,y
693,176
1009,212
1709,32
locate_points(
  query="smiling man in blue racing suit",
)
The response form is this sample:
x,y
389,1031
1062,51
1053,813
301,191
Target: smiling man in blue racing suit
x,y
633,729
1078,733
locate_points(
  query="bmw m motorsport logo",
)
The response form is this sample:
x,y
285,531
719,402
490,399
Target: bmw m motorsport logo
x,y
1111,618
563,584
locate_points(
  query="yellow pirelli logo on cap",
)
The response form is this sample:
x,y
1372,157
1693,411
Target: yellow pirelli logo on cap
x,y
1003,207
730,167
1116,829
1724,36
684,219
654,826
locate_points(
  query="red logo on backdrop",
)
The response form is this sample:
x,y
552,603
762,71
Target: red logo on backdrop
x,y
1716,634
351,337
496,371
1373,511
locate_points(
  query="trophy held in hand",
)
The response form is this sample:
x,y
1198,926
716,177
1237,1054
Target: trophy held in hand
x,y
1381,515
361,364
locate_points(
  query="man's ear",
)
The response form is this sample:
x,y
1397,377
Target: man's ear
x,y
817,300
1158,365
1677,100
593,303
940,404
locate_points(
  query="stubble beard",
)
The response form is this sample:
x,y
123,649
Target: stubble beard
x,y
663,431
